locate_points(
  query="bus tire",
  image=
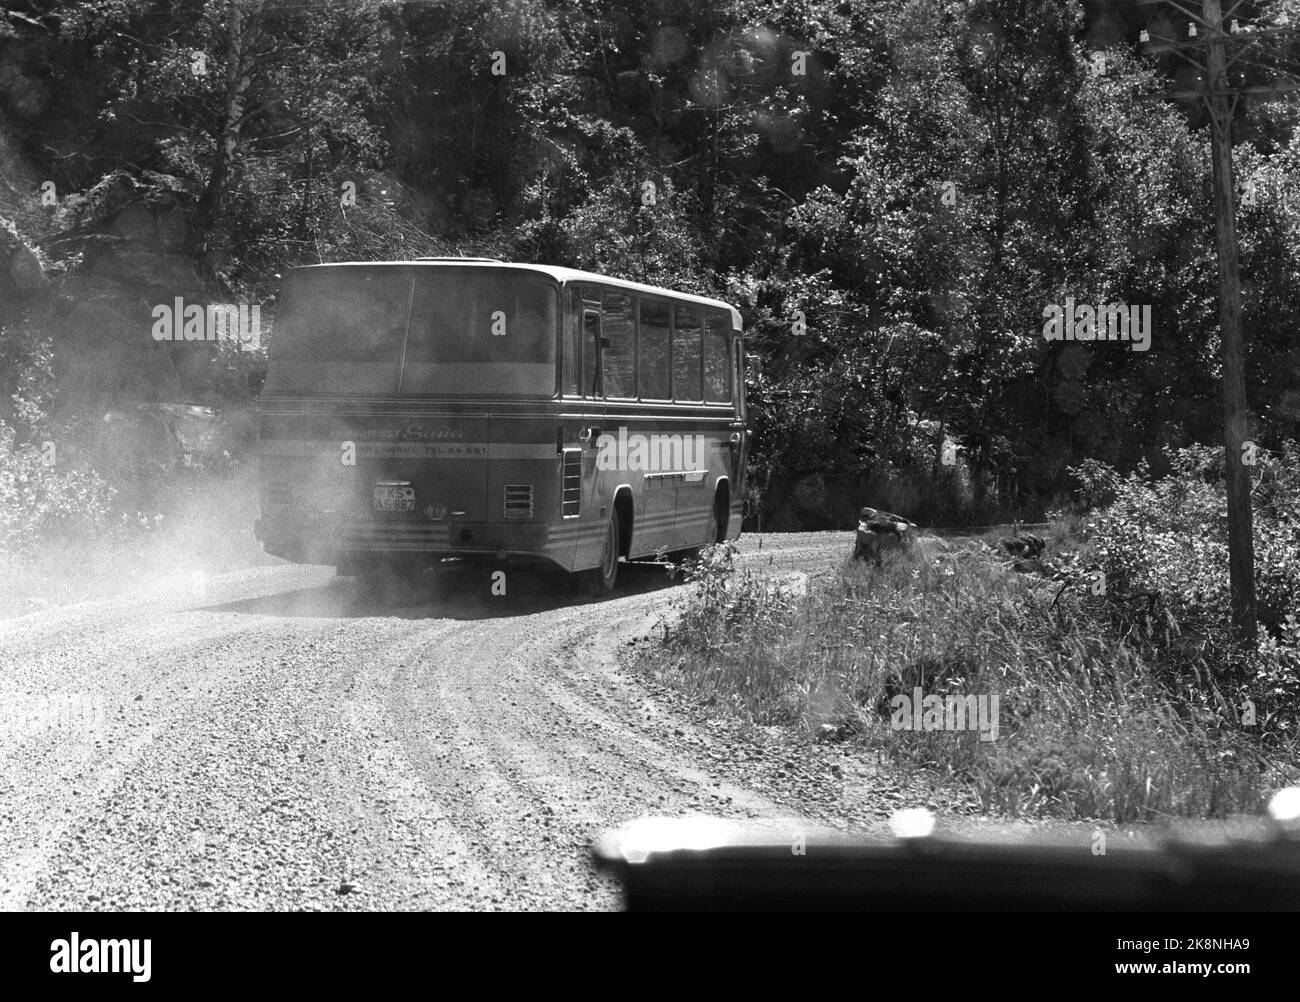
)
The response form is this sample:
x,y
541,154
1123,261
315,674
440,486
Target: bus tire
x,y
681,557
601,580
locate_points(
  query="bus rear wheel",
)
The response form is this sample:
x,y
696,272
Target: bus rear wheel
x,y
713,535
601,580
680,557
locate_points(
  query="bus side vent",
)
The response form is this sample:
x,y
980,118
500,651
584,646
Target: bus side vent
x,y
519,500
571,487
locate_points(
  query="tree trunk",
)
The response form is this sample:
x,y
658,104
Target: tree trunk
x,y
240,59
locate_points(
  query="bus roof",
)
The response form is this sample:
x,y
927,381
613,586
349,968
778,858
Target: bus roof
x,y
562,275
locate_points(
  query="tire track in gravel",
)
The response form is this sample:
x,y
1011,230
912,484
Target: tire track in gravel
x,y
298,743
73,727
553,762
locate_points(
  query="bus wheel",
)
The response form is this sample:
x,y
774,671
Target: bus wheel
x,y
681,557
600,581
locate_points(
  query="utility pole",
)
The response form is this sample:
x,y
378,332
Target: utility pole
x,y
1236,416
1221,102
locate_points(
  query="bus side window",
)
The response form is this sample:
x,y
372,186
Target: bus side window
x,y
686,352
590,337
717,362
653,373
740,375
571,348
618,344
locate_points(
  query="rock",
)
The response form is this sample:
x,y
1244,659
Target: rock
x,y
879,530
1026,545
840,731
347,887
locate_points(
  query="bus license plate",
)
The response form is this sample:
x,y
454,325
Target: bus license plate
x,y
394,497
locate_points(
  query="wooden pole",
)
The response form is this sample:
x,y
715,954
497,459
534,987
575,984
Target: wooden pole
x,y
1236,416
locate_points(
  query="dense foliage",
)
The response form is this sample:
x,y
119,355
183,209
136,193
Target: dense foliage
x,y
892,193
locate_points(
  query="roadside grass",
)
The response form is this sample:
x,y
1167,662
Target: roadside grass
x,y
1095,718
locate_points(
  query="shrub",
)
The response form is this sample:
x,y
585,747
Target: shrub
x,y
1097,719
40,501
1169,536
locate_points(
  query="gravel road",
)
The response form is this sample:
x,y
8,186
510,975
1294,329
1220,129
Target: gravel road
x,y
280,738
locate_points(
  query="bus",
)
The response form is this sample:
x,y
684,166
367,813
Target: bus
x,y
418,411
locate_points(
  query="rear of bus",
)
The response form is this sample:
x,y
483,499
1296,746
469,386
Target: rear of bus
x,y
408,415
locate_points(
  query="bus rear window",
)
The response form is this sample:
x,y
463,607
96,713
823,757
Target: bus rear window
x,y
413,330
339,332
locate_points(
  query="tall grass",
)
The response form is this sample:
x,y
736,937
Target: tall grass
x,y
1090,725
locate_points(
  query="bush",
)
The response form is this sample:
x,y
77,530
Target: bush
x,y
1167,539
1096,719
1169,536
729,618
40,501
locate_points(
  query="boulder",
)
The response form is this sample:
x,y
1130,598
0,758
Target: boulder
x,y
881,530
